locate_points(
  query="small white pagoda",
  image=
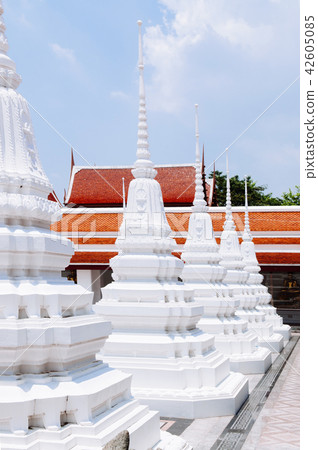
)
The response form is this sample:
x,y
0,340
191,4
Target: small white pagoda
x,y
255,280
54,394
237,278
204,274
176,368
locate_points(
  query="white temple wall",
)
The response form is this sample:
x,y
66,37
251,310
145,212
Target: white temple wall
x,y
94,280
90,280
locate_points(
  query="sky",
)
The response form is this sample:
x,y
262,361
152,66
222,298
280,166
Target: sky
x,y
78,62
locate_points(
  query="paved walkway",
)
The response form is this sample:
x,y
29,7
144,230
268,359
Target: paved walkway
x,y
275,428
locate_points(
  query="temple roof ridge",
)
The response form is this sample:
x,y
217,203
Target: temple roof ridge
x,y
130,166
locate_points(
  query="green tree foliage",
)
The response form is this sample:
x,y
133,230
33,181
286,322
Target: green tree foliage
x,y
256,194
290,198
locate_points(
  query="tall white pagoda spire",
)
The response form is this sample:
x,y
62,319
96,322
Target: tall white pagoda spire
x,y
53,391
229,223
203,273
255,280
175,366
144,167
238,279
199,203
8,75
21,172
247,232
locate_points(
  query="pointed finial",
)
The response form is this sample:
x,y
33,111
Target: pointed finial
x,y
214,194
199,204
203,164
204,176
228,188
197,148
229,223
144,167
227,161
247,232
72,159
124,194
140,53
8,75
212,188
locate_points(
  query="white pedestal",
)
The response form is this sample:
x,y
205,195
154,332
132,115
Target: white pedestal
x,y
174,365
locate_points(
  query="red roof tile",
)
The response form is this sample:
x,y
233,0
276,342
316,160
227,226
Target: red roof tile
x,y
92,257
278,258
259,221
263,258
274,220
53,197
104,186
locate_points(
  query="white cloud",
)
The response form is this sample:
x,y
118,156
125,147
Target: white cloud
x,y
65,54
119,94
187,24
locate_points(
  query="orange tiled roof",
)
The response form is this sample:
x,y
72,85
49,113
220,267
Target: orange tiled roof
x,y
259,221
278,258
263,258
92,257
88,222
103,186
53,197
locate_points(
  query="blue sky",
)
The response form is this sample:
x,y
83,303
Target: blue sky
x,y
78,61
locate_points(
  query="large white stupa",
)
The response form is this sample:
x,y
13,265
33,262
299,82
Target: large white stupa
x,y
204,274
54,394
237,278
176,368
255,280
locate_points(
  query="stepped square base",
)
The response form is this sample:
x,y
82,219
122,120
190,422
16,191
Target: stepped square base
x,y
285,331
186,376
257,362
266,337
83,410
274,343
263,330
142,425
228,326
242,348
273,318
276,321
223,400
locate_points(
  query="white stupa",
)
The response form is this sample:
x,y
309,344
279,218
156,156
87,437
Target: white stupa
x,y
255,280
176,368
54,394
204,274
237,278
